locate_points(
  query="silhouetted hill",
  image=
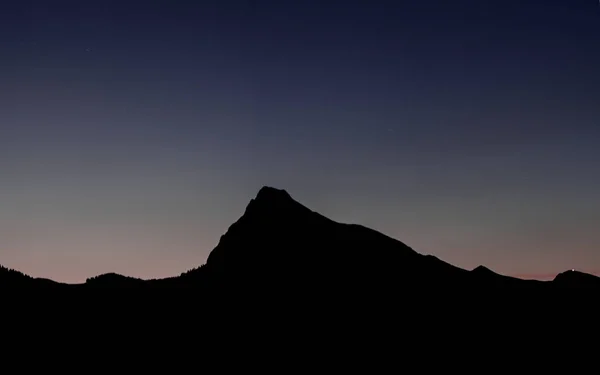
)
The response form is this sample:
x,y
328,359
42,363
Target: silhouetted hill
x,y
12,277
114,280
578,279
278,237
487,276
279,247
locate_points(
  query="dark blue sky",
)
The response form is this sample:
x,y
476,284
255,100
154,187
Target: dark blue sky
x,y
133,133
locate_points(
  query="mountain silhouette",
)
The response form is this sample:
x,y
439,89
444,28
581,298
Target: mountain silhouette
x,y
287,285
313,289
114,280
574,278
279,247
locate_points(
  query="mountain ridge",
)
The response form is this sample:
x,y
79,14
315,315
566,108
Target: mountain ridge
x,y
276,237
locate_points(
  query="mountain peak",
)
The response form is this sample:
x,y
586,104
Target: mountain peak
x,y
483,270
268,193
270,200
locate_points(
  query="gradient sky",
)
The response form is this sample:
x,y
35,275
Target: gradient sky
x,y
132,134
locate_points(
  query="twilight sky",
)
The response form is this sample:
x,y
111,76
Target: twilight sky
x,y
132,134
